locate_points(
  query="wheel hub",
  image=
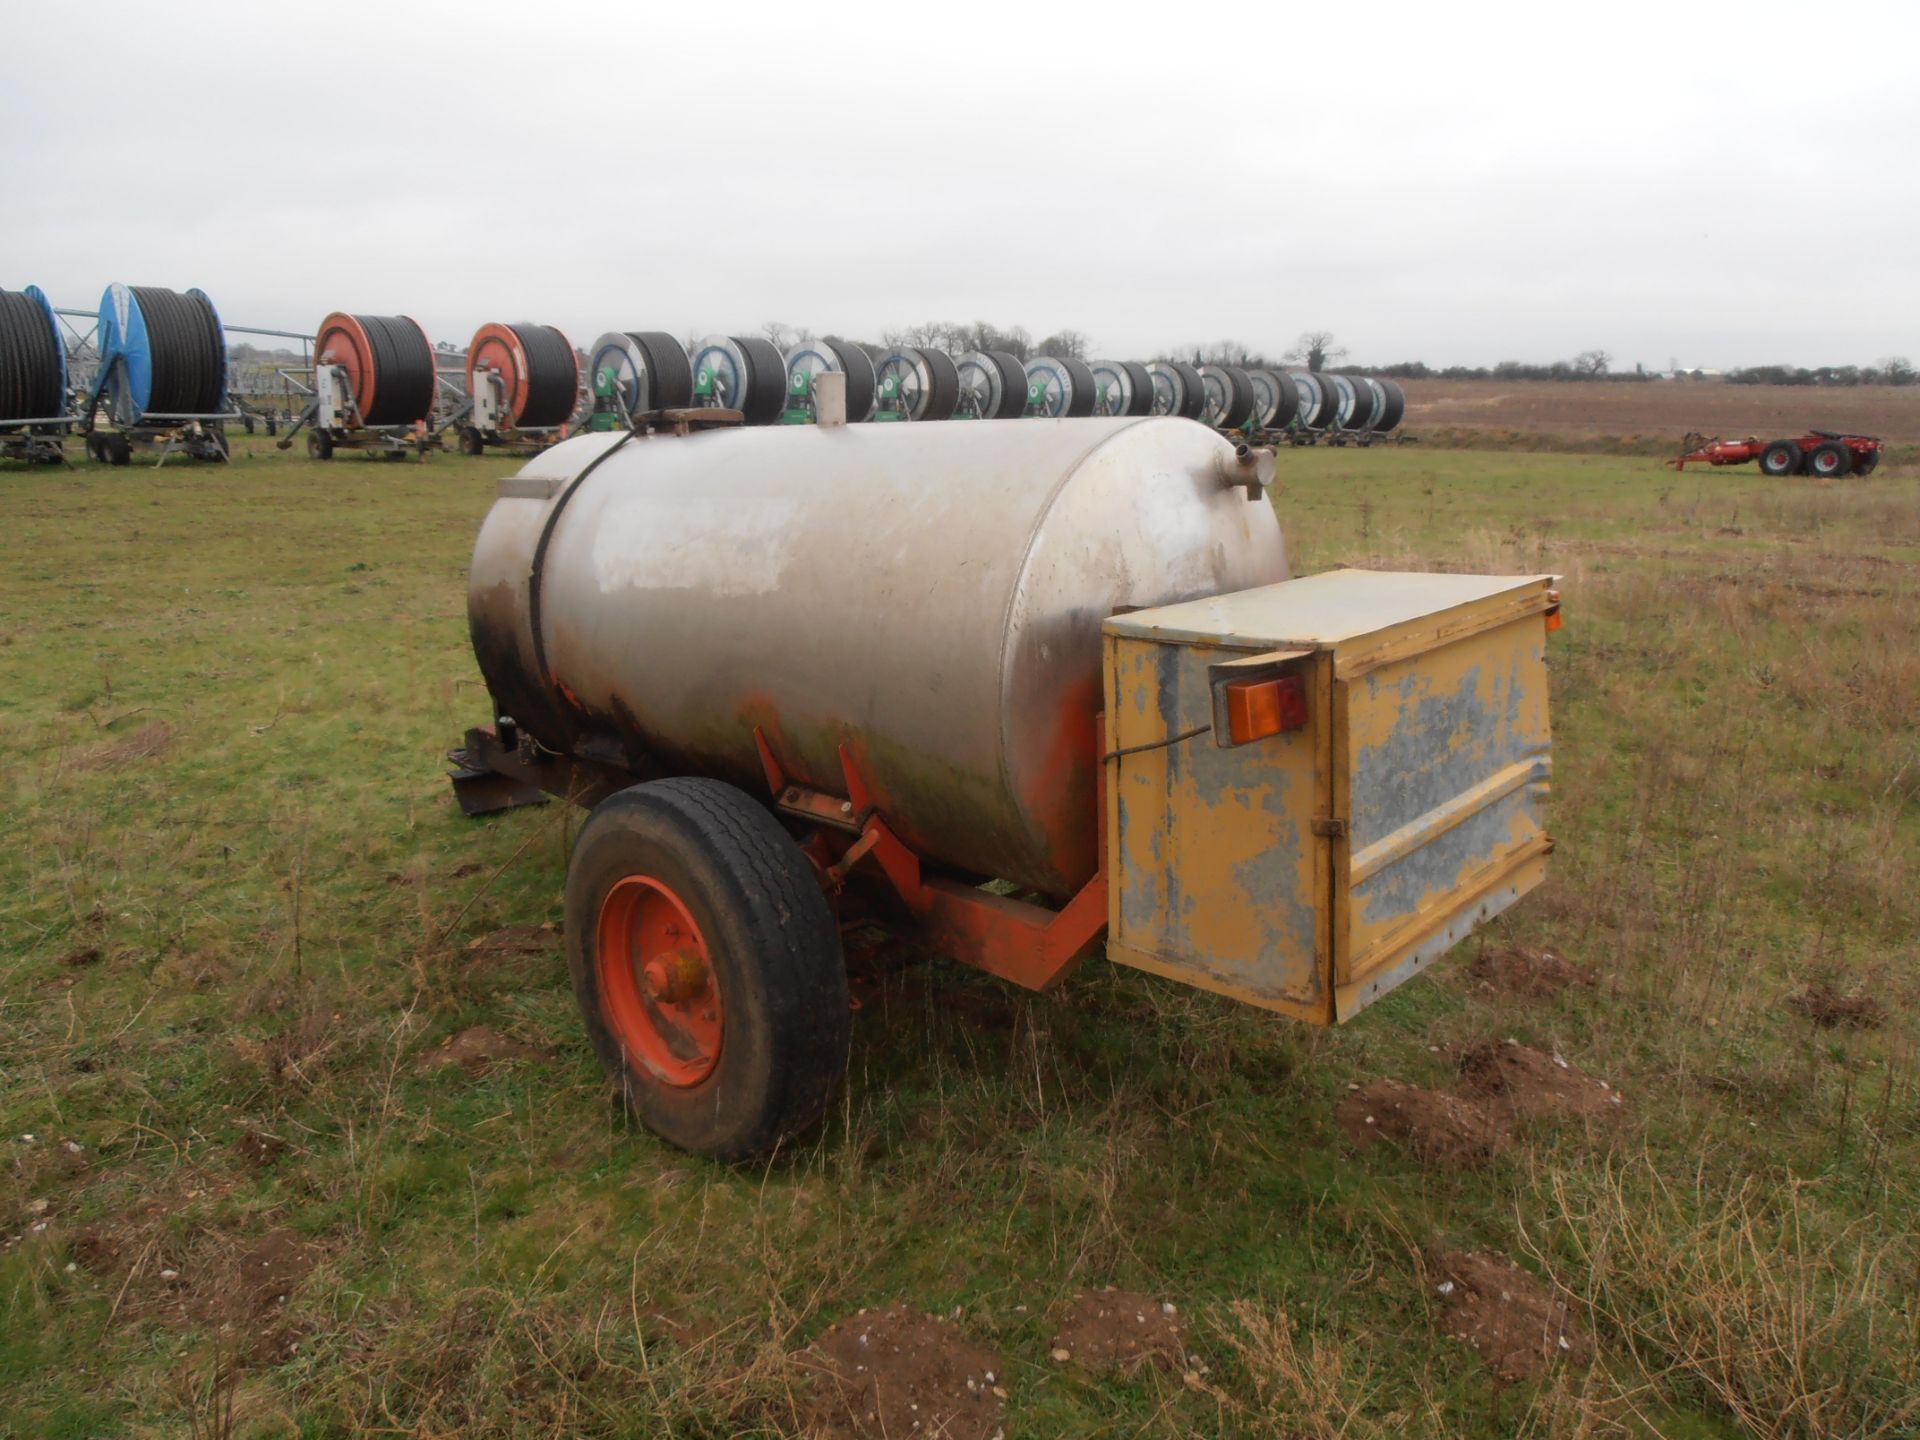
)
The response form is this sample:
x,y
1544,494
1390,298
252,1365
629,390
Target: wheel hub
x,y
677,978
657,987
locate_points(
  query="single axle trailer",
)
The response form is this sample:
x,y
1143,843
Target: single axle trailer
x,y
1828,454
802,673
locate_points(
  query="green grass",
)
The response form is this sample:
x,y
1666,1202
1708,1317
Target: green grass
x,y
237,898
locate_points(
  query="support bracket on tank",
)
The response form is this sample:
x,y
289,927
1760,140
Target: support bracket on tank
x,y
490,774
1015,940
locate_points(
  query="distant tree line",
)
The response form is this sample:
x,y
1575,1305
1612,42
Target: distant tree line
x,y
1893,370
1587,365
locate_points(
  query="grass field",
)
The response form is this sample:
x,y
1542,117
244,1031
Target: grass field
x,y
302,1136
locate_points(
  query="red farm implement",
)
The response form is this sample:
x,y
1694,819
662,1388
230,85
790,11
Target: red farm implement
x,y
1818,452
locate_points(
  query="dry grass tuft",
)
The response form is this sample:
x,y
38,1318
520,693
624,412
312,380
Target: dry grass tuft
x,y
1744,1294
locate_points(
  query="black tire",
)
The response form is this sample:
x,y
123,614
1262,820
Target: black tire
x,y
119,450
96,447
1869,463
774,950
217,443
1780,459
471,442
1830,460
273,426
319,445
246,423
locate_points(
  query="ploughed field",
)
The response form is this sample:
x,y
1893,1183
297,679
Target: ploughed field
x,y
301,1134
1651,416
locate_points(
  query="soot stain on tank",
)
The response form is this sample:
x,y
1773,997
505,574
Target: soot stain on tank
x,y
496,625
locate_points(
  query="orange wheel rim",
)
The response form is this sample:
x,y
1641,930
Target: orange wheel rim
x,y
657,986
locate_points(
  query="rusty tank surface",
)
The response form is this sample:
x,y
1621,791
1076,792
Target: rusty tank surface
x,y
926,601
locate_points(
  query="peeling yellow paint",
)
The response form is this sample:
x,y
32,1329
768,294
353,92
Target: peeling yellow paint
x,y
1310,872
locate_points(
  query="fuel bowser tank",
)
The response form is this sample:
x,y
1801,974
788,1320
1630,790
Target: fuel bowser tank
x,y
922,601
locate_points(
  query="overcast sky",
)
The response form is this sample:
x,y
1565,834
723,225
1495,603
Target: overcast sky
x,y
1464,183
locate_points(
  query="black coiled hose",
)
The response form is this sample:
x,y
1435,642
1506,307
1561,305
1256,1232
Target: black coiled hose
x,y
29,360
403,370
187,350
553,377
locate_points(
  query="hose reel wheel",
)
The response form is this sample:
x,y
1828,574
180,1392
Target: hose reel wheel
x,y
1122,387
924,383
1274,399
823,357
1177,389
163,352
1379,394
387,361
33,362
1356,403
1393,406
539,373
993,385
744,373
1317,399
1229,396
642,370
1060,387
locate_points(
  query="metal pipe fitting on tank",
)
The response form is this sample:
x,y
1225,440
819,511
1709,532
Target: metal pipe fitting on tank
x,y
830,399
1248,468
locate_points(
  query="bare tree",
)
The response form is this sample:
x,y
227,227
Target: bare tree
x,y
1317,348
1596,363
1065,344
785,337
1224,352
1898,370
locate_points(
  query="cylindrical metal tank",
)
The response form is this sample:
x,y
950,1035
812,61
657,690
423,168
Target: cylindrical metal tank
x,y
929,597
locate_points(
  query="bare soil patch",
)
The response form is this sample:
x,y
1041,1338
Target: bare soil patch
x,y
1663,408
1442,1131
259,1151
202,1279
148,741
476,1050
1528,971
1119,1330
1518,1082
894,1372
1514,1323
1831,1010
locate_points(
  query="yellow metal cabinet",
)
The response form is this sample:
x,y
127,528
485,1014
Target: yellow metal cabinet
x,y
1312,869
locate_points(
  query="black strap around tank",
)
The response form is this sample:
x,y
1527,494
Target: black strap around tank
x,y
536,571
